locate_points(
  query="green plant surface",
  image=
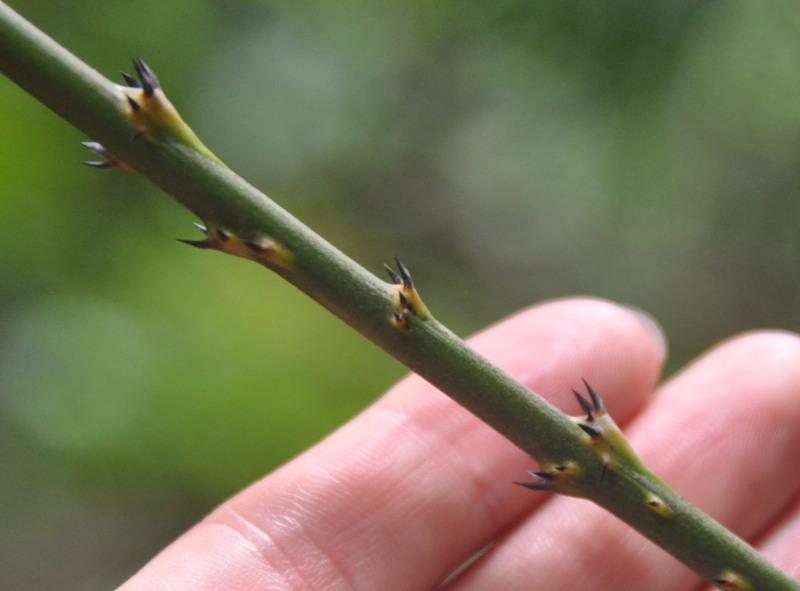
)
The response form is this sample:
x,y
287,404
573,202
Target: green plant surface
x,y
92,295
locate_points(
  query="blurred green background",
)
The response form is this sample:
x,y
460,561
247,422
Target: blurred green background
x,y
511,151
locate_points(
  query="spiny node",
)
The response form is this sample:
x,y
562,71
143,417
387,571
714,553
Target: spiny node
x,y
101,151
605,438
407,304
557,478
594,424
263,250
152,113
108,159
147,82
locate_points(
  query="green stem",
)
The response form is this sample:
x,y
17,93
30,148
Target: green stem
x,y
226,202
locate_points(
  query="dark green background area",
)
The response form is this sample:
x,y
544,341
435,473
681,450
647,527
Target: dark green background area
x,y
509,151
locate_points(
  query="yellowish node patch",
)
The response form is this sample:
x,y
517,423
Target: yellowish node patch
x,y
657,505
263,250
730,580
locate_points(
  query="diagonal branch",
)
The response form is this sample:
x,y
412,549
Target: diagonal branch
x,y
136,128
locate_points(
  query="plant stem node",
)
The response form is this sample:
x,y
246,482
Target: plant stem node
x,y
263,250
108,159
151,111
730,580
407,303
657,505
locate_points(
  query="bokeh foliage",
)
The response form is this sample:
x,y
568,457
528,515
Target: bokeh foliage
x,y
510,151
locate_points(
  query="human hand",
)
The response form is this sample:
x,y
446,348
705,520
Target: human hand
x,y
415,485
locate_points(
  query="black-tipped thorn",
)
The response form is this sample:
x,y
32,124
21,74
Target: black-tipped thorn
x,y
590,431
541,482
408,283
406,296
130,80
134,105
599,405
532,485
201,244
585,405
147,78
393,275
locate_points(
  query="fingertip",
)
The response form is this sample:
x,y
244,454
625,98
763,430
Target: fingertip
x,y
765,360
653,328
593,318
550,347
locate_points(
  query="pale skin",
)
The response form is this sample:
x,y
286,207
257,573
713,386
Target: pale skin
x,y
408,490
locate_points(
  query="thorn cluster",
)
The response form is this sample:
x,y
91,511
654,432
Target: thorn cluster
x,y
145,105
605,437
407,304
556,478
609,445
147,82
263,250
150,108
108,159
594,409
404,278
101,151
595,406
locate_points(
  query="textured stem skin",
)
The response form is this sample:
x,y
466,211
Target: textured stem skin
x,y
226,202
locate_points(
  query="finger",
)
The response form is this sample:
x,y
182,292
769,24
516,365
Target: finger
x,y
407,490
722,433
782,543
